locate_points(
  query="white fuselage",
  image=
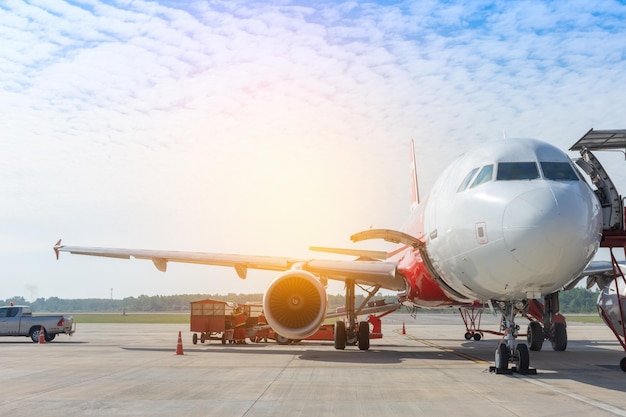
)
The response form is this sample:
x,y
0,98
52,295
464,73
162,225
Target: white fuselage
x,y
523,228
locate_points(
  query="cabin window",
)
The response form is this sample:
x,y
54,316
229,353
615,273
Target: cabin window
x,y
558,171
483,176
467,180
509,171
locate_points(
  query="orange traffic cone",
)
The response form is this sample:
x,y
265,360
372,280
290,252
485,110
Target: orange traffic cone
x,y
42,336
403,328
179,346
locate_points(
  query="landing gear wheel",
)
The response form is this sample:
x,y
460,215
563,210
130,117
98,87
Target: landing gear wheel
x,y
194,339
622,364
522,358
340,335
502,358
559,337
534,336
282,340
468,336
477,337
364,335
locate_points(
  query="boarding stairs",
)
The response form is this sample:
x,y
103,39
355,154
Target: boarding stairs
x,y
614,229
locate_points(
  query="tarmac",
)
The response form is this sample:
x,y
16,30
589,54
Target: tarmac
x,y
132,370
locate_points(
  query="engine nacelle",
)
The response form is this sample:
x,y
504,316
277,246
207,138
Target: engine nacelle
x,y
295,304
608,301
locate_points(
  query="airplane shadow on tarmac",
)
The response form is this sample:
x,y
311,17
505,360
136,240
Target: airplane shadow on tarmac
x,y
350,355
585,363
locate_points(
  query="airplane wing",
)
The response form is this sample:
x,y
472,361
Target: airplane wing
x,y
597,272
361,271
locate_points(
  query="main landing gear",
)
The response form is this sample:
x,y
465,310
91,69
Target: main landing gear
x,y
352,332
508,351
546,323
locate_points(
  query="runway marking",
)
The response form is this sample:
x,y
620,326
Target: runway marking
x,y
529,379
448,350
577,397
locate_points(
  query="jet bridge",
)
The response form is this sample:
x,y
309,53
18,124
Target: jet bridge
x,y
612,300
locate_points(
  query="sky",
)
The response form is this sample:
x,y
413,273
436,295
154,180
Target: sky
x,y
263,128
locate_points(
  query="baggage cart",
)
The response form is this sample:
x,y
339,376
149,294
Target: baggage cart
x,y
211,320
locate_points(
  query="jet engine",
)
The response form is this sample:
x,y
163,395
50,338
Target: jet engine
x,y
295,304
609,302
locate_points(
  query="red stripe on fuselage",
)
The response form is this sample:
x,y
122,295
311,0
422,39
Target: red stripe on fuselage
x,y
423,289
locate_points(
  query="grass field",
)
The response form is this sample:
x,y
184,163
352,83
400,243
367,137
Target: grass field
x,y
132,318
584,318
183,318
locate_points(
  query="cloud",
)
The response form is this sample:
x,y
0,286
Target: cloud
x,y
252,126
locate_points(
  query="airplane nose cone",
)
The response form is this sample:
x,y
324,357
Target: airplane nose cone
x,y
544,228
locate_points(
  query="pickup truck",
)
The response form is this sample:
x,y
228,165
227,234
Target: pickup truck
x,y
19,321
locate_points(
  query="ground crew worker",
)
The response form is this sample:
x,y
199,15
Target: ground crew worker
x,y
239,323
262,334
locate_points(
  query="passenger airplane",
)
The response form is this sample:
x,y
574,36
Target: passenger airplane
x,y
508,222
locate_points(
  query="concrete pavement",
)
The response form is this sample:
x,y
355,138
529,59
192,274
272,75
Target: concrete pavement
x,y
132,370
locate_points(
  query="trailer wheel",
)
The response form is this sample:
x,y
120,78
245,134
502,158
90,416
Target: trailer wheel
x,y
194,338
49,337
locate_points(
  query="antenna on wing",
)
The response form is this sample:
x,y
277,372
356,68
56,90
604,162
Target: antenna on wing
x,y
415,193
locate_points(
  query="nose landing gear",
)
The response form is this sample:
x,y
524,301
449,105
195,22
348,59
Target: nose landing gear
x,y
507,351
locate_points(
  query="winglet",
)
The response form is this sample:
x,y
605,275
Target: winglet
x,y
56,248
415,192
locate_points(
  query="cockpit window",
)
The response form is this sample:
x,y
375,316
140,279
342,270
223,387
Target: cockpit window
x,y
558,171
467,180
484,175
509,171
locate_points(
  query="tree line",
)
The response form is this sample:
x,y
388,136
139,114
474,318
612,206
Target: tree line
x,y
576,300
